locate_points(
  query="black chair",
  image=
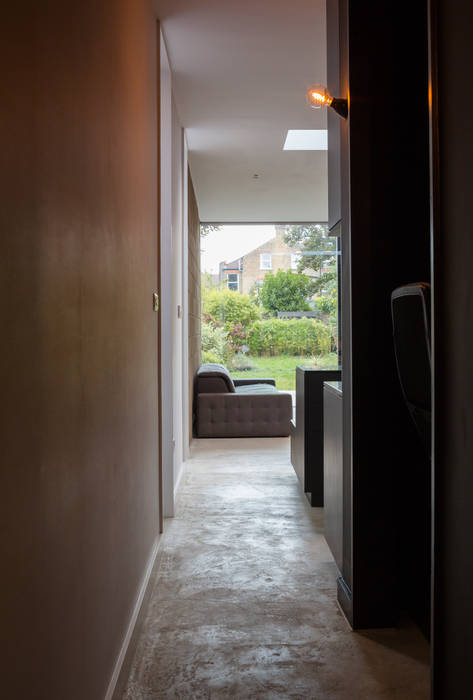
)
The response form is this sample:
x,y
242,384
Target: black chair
x,y
410,307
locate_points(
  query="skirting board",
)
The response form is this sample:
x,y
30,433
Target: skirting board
x,y
179,478
134,617
344,599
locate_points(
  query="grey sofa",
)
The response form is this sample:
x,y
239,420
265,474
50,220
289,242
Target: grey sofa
x,y
226,407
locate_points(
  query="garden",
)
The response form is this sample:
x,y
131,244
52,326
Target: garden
x,y
243,332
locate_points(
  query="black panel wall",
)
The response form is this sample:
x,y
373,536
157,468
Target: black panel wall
x,y
382,186
452,53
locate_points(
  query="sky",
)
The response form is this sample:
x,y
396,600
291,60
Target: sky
x,y
232,242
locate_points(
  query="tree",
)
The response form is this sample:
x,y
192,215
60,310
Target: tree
x,y
318,253
313,241
255,293
326,283
205,229
285,291
224,307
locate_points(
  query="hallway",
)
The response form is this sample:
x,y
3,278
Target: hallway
x,y
245,605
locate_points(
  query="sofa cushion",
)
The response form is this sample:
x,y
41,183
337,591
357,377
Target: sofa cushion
x,y
244,415
256,389
214,378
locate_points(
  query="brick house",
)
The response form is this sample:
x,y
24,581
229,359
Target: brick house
x,y
243,273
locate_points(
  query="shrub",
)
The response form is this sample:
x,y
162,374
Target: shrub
x,y
224,306
210,357
236,337
305,336
285,291
215,347
326,304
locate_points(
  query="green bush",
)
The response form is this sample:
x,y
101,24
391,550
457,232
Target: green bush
x,y
277,336
326,304
215,347
223,306
285,291
236,337
210,357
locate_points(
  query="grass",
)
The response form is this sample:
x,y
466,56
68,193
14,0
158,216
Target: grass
x,y
282,368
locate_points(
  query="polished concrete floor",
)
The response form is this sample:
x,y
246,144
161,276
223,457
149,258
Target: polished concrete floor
x,y
244,602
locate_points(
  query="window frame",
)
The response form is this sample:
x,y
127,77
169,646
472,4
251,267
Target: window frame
x,y
235,281
261,257
297,261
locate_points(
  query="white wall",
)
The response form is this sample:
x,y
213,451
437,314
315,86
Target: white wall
x,y
177,289
174,289
185,298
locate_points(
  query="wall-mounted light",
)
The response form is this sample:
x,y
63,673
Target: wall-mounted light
x,y
318,96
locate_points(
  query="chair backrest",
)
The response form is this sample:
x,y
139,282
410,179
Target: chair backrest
x,y
213,378
410,307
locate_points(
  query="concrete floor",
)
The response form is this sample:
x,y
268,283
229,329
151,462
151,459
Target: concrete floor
x,y
244,603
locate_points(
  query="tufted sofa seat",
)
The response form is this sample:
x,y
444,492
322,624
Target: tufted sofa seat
x,y
227,407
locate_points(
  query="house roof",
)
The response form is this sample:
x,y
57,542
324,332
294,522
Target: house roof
x,y
234,265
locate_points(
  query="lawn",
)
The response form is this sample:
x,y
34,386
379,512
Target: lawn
x,y
282,368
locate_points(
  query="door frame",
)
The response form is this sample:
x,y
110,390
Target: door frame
x,y
166,288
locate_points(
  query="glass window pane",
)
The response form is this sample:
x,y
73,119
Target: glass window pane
x,y
265,261
270,299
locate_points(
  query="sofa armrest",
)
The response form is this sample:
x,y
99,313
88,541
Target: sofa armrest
x,y
253,380
243,415
213,385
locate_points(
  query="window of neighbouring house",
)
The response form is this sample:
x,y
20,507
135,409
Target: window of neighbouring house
x,y
295,258
232,282
265,261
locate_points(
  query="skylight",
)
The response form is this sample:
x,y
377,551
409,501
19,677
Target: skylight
x,y
306,140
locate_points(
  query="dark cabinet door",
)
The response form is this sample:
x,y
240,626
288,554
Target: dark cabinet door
x,y
307,449
333,473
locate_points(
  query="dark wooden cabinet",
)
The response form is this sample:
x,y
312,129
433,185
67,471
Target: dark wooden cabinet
x,y
378,157
307,435
333,469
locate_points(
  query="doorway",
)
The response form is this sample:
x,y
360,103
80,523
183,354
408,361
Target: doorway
x,y
269,299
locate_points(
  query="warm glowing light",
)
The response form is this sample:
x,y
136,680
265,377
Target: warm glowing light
x,y
318,96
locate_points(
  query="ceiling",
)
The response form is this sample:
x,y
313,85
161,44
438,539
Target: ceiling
x,y
240,72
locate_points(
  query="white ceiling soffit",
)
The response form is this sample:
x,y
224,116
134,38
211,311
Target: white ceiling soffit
x,y
240,72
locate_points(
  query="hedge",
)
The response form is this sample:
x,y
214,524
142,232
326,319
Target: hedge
x,y
305,336
224,306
